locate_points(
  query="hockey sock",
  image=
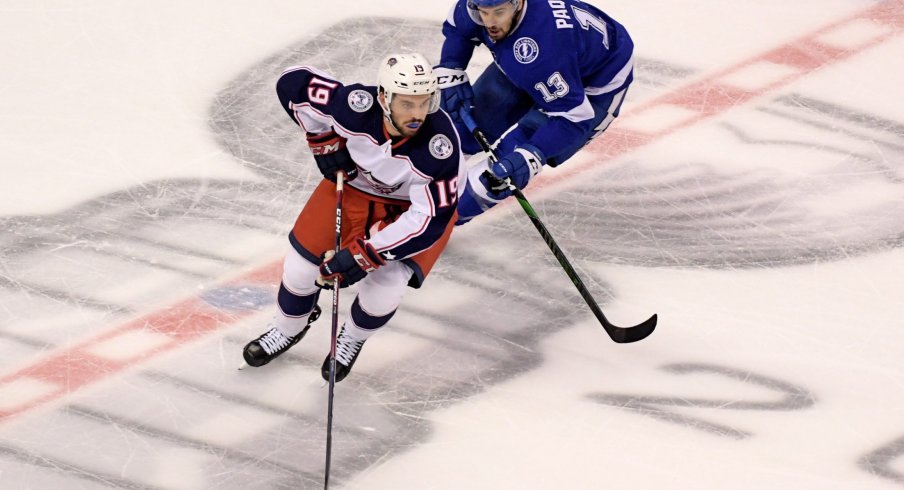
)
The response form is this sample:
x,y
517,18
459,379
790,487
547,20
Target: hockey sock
x,y
363,324
295,309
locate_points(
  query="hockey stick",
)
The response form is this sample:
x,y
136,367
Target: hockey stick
x,y
621,335
333,335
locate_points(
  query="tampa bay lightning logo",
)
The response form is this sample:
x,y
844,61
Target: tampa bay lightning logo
x,y
360,100
526,50
440,147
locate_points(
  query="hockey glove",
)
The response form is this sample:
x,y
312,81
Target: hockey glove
x,y
331,155
456,90
350,265
518,167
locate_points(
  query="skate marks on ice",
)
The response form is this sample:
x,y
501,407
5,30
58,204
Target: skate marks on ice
x,y
805,181
156,242
842,199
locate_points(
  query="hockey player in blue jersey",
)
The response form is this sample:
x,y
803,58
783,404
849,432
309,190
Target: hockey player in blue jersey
x,y
561,69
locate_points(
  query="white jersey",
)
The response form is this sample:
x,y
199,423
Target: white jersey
x,y
423,170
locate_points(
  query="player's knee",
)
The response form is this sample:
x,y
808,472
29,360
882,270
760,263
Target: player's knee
x,y
299,274
381,292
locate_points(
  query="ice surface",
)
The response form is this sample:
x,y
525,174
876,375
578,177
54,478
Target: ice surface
x,y
751,194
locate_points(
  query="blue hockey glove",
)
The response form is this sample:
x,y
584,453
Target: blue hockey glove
x,y
350,265
456,90
518,167
331,155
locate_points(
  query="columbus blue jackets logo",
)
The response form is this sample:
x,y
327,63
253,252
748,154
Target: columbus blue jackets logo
x,y
440,147
380,186
526,50
360,100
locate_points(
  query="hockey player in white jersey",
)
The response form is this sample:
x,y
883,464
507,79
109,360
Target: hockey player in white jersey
x,y
402,162
561,69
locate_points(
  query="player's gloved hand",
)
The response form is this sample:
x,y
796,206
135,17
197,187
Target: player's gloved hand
x,y
518,167
331,155
456,90
350,265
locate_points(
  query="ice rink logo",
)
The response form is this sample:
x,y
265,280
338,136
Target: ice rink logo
x,y
440,147
360,100
526,50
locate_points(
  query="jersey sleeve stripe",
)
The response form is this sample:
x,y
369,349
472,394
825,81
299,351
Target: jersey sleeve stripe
x,y
451,17
617,81
409,236
298,110
430,200
582,112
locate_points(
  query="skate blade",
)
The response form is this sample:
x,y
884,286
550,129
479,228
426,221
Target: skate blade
x,y
243,366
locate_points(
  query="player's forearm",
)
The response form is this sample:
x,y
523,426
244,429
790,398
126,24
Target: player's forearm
x,y
412,233
556,135
457,49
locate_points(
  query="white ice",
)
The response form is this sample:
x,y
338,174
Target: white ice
x,y
768,238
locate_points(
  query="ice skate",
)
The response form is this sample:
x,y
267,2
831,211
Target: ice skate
x,y
347,350
273,343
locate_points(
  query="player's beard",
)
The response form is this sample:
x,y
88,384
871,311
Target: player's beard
x,y
497,33
410,127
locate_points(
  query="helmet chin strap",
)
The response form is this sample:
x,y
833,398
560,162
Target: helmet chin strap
x,y
392,123
387,112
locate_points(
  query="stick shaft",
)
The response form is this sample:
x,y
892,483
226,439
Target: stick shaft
x,y
333,335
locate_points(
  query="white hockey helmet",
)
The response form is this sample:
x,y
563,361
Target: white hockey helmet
x,y
407,74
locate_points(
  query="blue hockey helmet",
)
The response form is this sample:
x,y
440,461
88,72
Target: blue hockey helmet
x,y
474,4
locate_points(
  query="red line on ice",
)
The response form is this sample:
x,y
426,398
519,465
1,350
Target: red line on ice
x,y
72,367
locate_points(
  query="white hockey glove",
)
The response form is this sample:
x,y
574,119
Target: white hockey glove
x,y
456,90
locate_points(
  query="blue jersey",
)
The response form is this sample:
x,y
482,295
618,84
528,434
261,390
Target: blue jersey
x,y
559,52
423,169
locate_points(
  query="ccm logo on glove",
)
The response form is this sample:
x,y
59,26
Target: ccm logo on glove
x,y
331,155
325,143
351,264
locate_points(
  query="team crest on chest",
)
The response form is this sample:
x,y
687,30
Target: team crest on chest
x,y
440,147
360,100
526,50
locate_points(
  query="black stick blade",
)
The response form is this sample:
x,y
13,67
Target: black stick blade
x,y
617,334
627,335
